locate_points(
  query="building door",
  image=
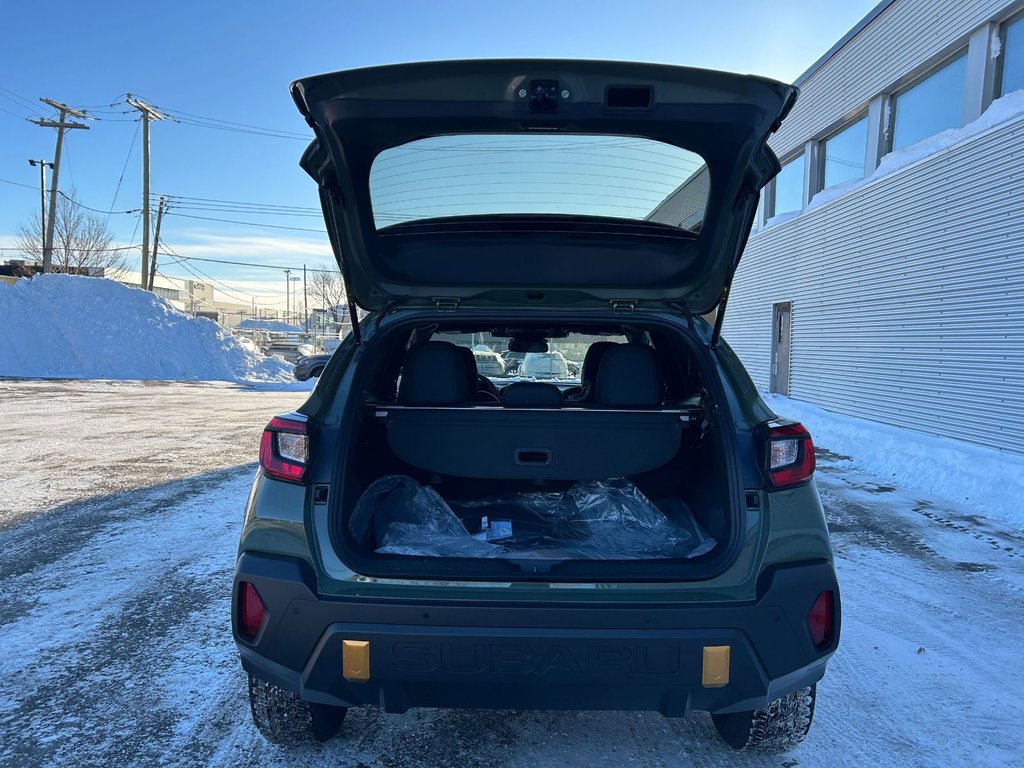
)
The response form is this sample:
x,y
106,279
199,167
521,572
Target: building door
x,y
781,316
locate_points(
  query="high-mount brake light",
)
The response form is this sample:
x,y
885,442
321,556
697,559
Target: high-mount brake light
x,y
790,455
284,448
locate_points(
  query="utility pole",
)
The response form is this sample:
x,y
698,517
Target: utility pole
x,y
287,292
295,293
42,197
305,304
147,113
161,209
61,125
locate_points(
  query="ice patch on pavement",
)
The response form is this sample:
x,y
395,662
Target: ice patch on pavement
x,y
984,480
72,327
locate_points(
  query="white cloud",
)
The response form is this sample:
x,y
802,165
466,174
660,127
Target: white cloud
x,y
252,247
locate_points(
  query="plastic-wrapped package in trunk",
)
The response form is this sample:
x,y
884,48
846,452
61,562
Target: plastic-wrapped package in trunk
x,y
592,520
411,519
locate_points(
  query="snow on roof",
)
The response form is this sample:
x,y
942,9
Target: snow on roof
x,y
275,326
1001,111
66,326
1009,108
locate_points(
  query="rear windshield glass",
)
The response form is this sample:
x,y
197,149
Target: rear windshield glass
x,y
557,360
608,176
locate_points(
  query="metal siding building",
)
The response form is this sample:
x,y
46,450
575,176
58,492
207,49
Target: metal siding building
x,y
906,294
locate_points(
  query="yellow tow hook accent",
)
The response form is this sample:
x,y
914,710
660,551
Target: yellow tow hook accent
x,y
355,660
716,666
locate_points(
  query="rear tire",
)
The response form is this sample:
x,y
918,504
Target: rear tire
x,y
777,728
284,718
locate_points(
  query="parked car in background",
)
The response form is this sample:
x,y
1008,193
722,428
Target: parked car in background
x,y
544,365
512,361
310,366
290,352
488,363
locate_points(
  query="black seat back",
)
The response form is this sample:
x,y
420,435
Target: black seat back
x,y
629,376
436,373
531,394
588,373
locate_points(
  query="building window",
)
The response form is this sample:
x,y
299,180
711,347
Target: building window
x,y
789,187
931,106
1013,57
845,153
758,214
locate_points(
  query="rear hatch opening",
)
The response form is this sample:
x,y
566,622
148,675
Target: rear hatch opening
x,y
610,465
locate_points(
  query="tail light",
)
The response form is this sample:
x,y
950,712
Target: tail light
x,y
790,455
250,611
821,620
284,448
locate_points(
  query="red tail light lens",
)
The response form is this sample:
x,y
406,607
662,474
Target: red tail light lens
x,y
250,611
284,448
790,455
820,620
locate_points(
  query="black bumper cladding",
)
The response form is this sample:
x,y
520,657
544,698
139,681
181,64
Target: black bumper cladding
x,y
572,656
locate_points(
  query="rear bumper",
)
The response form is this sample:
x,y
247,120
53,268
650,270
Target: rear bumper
x,y
573,656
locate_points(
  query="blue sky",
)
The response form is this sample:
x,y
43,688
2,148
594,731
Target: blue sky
x,y
232,61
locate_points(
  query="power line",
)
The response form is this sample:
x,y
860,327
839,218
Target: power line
x,y
117,190
17,97
246,211
202,121
18,184
239,202
277,267
90,208
91,250
182,261
246,223
12,114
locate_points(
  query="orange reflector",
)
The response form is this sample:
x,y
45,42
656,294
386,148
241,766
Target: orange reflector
x,y
716,666
355,660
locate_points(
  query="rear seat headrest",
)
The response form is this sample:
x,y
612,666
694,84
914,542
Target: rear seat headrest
x,y
531,394
629,377
435,373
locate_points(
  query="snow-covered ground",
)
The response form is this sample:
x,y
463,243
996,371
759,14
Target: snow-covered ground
x,y
73,440
65,326
114,625
985,481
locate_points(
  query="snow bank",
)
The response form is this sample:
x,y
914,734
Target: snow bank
x,y
1002,110
65,326
273,326
985,480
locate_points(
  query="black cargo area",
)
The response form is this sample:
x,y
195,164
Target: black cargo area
x,y
620,463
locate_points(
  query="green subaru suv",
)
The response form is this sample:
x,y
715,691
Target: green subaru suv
x,y
641,534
